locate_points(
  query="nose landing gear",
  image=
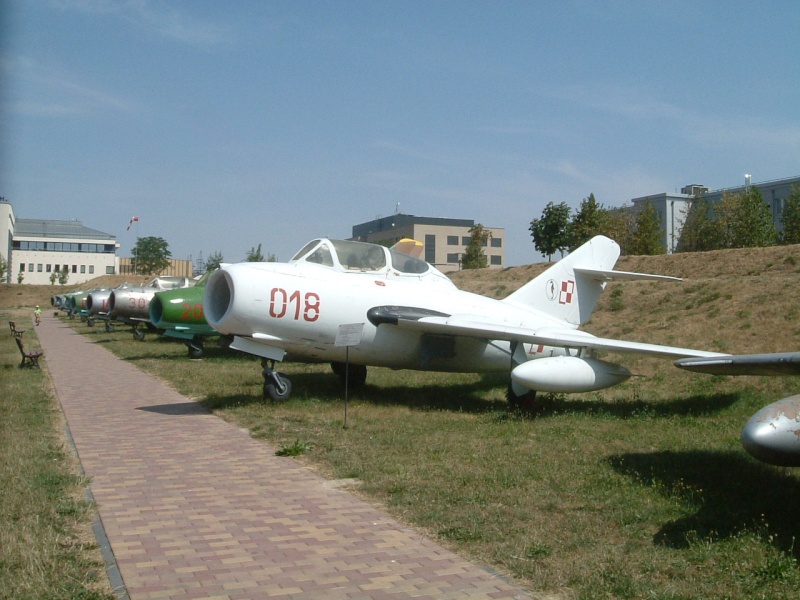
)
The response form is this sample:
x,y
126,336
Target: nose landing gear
x,y
277,387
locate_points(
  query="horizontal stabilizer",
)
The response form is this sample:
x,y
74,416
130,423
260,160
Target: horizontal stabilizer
x,y
603,275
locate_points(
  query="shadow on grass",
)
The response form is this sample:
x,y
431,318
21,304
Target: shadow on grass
x,y
733,493
327,388
698,405
169,349
470,397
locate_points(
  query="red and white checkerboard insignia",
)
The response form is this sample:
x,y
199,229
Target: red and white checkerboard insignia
x,y
567,292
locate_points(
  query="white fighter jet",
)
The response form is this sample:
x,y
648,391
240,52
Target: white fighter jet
x,y
408,315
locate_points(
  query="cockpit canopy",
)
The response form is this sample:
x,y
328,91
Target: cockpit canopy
x,y
360,257
168,282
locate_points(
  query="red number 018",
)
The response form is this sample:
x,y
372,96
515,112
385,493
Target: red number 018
x,y
281,302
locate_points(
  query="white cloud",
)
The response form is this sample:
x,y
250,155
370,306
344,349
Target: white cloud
x,y
50,92
162,19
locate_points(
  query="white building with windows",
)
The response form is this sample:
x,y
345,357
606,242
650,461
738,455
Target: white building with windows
x,y
38,249
673,208
445,240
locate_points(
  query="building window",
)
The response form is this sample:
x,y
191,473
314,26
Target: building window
x,y
430,248
109,270
74,268
49,268
497,242
496,260
39,268
30,267
83,268
21,267
452,240
452,258
91,269
466,240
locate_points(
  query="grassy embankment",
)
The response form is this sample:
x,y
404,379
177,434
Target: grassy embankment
x,y
640,491
47,549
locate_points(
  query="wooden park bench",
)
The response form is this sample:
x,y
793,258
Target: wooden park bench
x,y
30,358
14,331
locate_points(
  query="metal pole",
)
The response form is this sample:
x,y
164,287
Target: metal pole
x,y
346,380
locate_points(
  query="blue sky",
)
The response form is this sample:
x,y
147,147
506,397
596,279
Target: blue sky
x,y
224,125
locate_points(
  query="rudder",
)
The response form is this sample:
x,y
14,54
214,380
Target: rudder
x,y
570,288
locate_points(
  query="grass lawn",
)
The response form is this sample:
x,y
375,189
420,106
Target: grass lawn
x,y
47,549
638,492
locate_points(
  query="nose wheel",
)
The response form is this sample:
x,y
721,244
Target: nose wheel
x,y
277,387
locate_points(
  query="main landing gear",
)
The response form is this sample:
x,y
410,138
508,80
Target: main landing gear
x,y
195,346
521,401
355,376
277,387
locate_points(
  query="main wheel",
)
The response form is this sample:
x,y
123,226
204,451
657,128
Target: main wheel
x,y
277,387
90,321
138,334
109,327
525,403
355,375
195,349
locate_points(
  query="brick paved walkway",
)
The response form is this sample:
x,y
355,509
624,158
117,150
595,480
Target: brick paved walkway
x,y
193,507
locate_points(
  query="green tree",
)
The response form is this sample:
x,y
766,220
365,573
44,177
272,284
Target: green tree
x,y
647,232
3,269
552,233
214,261
255,255
63,276
747,220
53,277
790,217
151,255
619,224
702,230
474,257
587,222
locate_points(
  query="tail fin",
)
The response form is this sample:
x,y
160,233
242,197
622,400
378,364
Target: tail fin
x,y
570,288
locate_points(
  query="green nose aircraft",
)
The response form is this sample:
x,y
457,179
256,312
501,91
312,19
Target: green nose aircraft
x,y
180,314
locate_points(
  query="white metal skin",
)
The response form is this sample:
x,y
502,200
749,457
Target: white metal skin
x,y
772,435
415,318
132,304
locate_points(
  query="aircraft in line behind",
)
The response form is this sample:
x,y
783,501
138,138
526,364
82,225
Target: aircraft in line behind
x,y
179,313
401,312
131,305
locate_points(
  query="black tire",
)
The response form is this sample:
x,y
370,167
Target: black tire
x,y
138,334
276,394
109,327
525,403
357,376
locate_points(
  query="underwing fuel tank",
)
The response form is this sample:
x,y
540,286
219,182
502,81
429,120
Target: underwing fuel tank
x,y
772,435
568,374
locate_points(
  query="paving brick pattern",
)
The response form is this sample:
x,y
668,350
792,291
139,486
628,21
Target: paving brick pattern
x,y
193,507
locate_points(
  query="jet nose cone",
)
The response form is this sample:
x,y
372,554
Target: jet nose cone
x,y
772,435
